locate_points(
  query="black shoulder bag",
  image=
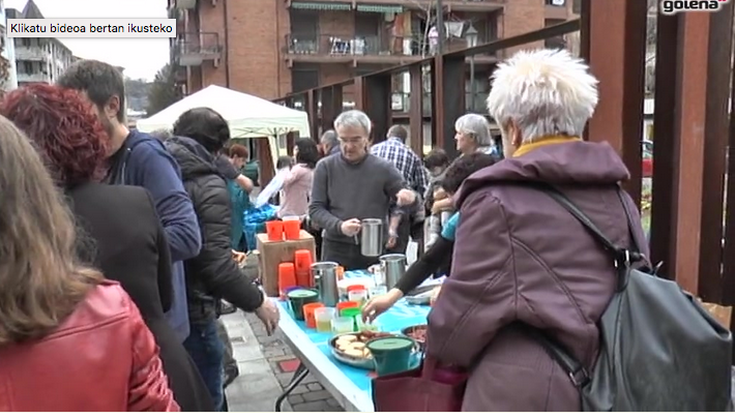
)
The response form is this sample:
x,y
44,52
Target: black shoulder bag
x,y
659,349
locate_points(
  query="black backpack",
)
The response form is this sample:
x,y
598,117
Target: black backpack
x,y
659,349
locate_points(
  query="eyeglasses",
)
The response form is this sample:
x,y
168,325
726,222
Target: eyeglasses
x,y
351,140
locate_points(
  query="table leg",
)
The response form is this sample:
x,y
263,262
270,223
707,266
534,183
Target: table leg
x,y
298,376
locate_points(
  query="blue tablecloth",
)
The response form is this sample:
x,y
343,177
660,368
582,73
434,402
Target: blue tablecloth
x,y
400,316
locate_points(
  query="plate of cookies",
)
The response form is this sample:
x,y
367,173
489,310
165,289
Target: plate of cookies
x,y
351,348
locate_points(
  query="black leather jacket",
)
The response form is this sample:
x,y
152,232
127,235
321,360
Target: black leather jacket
x,y
213,274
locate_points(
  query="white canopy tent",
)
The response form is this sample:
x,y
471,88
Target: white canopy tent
x,y
248,116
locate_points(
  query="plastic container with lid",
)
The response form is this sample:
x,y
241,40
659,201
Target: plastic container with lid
x,y
300,297
346,304
391,354
358,296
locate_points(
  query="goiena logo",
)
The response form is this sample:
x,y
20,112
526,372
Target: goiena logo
x,y
671,7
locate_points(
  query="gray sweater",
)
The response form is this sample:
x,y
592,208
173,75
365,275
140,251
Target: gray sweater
x,y
344,190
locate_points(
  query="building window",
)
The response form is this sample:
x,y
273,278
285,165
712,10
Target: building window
x,y
304,36
304,77
577,6
28,67
556,42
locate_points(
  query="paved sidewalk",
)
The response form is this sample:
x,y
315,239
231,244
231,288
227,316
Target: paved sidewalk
x,y
266,366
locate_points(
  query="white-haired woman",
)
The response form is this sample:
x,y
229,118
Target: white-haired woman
x,y
473,135
520,259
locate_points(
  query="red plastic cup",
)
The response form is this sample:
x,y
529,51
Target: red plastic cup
x,y
309,316
286,277
274,229
303,279
292,228
302,260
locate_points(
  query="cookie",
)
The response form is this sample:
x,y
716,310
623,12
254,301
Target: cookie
x,y
354,353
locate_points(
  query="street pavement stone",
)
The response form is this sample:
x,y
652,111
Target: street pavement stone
x,y
260,358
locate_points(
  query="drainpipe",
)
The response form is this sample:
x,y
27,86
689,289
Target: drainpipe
x,y
440,25
277,5
227,43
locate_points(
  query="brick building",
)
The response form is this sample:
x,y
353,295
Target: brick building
x,y
270,48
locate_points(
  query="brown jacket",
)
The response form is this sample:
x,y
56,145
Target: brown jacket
x,y
520,257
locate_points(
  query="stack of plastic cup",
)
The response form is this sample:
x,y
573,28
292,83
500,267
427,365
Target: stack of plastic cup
x,y
302,262
286,278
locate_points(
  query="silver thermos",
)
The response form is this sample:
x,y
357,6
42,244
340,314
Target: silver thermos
x,y
371,237
325,279
393,266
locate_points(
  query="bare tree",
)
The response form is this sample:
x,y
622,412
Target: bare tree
x,y
163,91
4,67
427,10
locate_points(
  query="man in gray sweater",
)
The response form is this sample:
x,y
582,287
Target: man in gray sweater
x,y
350,187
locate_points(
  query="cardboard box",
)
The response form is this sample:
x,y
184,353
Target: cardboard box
x,y
273,253
721,313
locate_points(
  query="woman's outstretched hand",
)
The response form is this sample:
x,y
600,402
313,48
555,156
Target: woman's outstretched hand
x,y
378,305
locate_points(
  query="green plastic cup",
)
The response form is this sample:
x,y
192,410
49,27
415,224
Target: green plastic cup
x,y
391,354
298,298
354,313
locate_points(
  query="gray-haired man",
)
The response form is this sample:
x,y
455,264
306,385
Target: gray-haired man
x,y
350,187
330,143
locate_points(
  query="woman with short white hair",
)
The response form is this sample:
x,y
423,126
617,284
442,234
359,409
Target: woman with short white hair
x,y
521,261
473,134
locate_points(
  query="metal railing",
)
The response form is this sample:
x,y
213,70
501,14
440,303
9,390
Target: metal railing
x,y
205,43
401,102
365,45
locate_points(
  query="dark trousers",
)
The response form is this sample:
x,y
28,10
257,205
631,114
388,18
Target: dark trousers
x,y
229,362
346,254
207,351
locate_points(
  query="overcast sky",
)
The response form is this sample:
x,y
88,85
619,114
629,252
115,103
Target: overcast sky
x,y
141,58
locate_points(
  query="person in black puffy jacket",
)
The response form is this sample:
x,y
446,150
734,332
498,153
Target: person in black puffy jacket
x,y
199,136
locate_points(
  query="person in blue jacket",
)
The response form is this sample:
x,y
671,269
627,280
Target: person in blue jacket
x,y
138,159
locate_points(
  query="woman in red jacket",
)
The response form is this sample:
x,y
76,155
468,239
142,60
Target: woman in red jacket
x,y
63,328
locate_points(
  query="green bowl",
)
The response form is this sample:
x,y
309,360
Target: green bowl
x,y
297,299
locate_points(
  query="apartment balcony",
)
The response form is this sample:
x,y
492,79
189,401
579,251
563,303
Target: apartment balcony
x,y
333,48
396,5
37,77
364,49
195,48
183,4
35,54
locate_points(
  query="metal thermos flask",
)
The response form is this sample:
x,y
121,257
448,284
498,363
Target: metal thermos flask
x,y
324,275
371,237
393,266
